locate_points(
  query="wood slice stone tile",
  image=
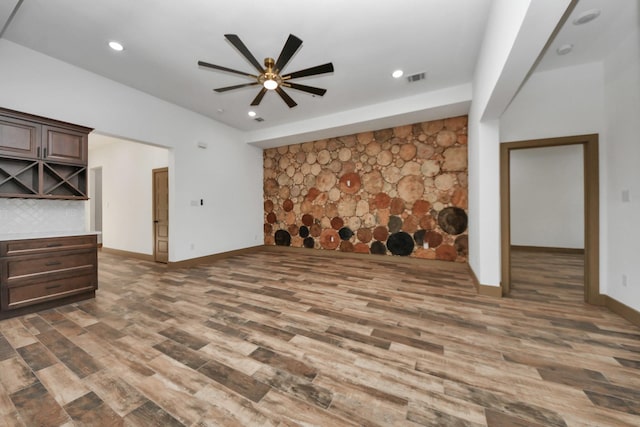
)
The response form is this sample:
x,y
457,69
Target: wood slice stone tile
x,y
346,246
309,242
400,243
283,238
378,248
324,157
329,239
411,172
382,201
446,253
271,187
373,182
364,235
411,223
350,183
432,238
345,233
446,138
462,245
396,206
381,233
361,248
395,224
287,205
307,220
293,229
325,180
452,220
337,223
411,188
428,222
455,159
315,230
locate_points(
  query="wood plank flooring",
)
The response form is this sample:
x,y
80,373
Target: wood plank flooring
x,y
287,339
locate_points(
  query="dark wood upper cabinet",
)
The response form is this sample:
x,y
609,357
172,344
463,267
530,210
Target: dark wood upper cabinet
x,y
19,137
42,158
64,145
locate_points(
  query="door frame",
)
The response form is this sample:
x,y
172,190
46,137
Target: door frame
x,y
153,213
591,209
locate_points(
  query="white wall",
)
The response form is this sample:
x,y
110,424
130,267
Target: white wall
x,y
604,99
622,152
547,197
562,102
516,33
127,191
228,175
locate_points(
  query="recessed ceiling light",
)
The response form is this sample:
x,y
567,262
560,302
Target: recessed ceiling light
x,y
586,16
116,46
252,113
564,49
397,74
220,110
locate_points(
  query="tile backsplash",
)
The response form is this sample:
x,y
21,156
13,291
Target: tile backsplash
x,y
37,215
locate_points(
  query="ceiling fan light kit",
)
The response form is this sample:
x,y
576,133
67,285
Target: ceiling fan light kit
x,y
270,77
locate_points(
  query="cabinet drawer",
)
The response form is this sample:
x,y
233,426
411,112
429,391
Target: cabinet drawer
x,y
34,246
31,267
19,296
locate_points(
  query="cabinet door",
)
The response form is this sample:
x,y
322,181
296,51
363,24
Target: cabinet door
x,y
19,138
64,145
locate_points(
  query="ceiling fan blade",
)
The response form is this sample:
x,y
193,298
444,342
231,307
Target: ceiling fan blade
x,y
288,50
305,88
258,98
286,98
235,40
319,69
229,70
224,89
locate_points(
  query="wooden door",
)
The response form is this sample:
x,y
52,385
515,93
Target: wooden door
x,y
161,215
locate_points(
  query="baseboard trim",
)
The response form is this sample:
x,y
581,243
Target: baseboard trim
x,y
354,255
136,255
547,249
210,258
622,310
485,290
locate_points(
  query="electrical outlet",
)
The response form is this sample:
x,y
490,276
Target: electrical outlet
x,y
425,245
624,280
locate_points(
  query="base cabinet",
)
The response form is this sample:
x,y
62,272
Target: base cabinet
x,y
37,274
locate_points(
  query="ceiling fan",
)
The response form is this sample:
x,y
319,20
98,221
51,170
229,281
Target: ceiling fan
x,y
270,77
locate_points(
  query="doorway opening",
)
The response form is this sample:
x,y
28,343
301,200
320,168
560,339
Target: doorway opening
x,y
95,202
161,215
591,288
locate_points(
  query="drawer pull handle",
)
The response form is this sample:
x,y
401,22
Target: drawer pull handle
x,y
52,286
51,263
54,245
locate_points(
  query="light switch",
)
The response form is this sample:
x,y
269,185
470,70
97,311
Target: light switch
x,y
625,196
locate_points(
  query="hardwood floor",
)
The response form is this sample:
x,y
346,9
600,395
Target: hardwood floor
x,y
284,339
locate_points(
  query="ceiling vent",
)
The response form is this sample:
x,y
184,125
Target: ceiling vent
x,y
259,119
416,77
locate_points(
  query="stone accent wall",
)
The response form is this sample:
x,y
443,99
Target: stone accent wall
x,y
399,191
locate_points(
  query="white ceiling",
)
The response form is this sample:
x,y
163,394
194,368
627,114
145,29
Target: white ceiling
x,y
365,40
